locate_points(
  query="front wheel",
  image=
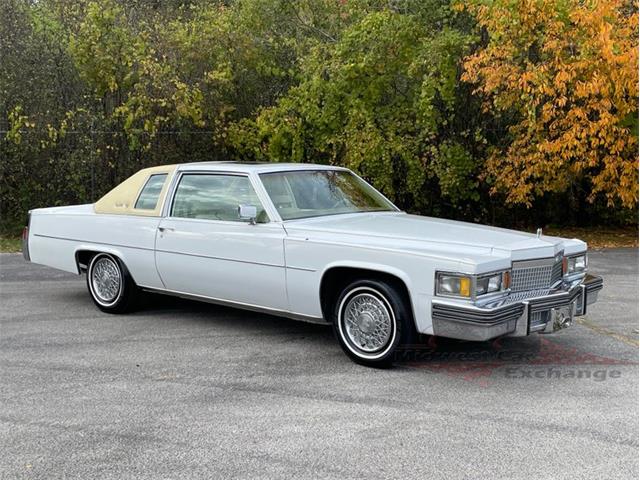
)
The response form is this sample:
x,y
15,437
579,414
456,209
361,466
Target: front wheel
x,y
371,319
110,285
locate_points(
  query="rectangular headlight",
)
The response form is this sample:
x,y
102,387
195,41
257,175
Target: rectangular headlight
x,y
454,285
576,264
489,284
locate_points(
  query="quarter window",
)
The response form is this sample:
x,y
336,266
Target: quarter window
x,y
148,198
214,197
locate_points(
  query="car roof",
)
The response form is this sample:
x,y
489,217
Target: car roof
x,y
257,167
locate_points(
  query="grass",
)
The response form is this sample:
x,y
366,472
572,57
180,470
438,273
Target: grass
x,y
10,244
596,237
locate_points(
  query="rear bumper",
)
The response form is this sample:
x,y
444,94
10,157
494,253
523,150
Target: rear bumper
x,y
544,314
25,239
25,244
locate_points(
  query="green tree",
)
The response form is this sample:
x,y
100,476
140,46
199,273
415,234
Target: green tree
x,y
382,99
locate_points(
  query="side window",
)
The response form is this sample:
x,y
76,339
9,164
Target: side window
x,y
214,197
148,198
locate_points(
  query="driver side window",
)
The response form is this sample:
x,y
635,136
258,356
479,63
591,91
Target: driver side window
x,y
214,197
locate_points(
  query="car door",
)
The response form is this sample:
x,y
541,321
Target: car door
x,y
203,248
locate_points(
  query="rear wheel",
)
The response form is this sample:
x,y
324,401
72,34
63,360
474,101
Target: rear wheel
x,y
371,319
110,285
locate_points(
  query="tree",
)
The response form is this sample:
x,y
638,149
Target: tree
x,y
93,90
564,75
380,98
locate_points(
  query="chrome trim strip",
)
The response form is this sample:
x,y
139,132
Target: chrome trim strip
x,y
583,298
553,301
302,269
176,253
210,257
92,242
241,305
593,283
476,315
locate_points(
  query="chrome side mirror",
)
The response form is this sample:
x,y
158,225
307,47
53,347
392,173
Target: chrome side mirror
x,y
248,212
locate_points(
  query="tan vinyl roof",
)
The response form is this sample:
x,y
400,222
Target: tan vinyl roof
x,y
122,199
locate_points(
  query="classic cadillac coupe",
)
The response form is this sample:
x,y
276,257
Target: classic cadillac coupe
x,y
315,243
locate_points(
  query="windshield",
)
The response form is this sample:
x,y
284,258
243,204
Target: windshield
x,y
313,193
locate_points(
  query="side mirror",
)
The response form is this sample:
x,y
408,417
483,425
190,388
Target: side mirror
x,y
248,212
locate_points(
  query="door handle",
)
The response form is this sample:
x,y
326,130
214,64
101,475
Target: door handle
x,y
166,229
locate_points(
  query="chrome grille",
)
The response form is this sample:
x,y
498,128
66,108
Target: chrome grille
x,y
556,273
539,320
535,274
519,296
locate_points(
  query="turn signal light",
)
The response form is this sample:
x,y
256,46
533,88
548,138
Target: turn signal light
x,y
506,280
465,286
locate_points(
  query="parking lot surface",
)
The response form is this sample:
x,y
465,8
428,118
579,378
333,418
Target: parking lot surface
x,y
180,389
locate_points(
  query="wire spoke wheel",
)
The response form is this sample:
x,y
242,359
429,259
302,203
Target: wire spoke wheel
x,y
368,322
106,280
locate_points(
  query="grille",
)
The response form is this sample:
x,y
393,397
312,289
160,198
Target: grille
x,y
535,275
539,320
556,273
519,296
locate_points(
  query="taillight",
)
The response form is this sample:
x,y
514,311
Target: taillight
x,y
25,233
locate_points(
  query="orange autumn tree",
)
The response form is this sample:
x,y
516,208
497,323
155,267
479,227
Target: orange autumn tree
x,y
565,74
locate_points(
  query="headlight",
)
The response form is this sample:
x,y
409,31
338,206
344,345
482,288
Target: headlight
x,y
471,286
455,285
575,264
489,284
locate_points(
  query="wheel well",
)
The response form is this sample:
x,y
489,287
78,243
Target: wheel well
x,y
83,258
336,278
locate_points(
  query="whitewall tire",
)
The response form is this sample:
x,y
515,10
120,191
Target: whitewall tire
x,y
371,319
110,285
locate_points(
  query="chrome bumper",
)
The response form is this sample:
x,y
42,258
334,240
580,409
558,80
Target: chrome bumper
x,y
25,244
543,314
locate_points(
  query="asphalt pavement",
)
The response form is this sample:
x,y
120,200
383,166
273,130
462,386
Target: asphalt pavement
x,y
180,389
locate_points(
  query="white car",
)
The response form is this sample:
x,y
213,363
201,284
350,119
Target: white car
x,y
315,243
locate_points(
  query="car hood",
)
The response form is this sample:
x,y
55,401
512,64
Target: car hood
x,y
449,238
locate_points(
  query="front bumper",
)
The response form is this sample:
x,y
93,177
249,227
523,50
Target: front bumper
x,y
545,314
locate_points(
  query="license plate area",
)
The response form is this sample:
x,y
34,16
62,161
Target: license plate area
x,y
560,318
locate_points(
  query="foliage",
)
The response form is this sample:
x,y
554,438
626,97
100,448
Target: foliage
x,y
449,110
380,99
567,71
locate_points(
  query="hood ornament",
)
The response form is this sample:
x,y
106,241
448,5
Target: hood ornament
x,y
539,233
